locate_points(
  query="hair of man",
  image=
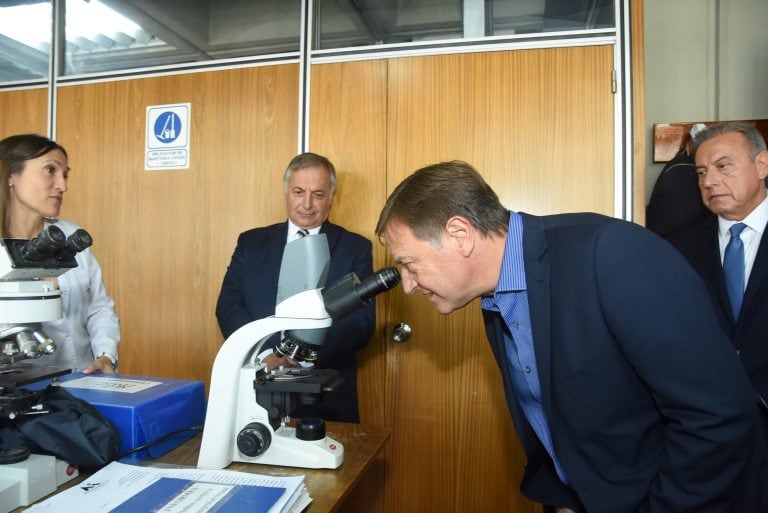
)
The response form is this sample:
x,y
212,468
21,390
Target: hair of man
x,y
309,159
749,131
430,196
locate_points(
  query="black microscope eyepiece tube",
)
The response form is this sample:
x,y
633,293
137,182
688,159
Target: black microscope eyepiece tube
x,y
350,293
48,243
78,241
378,282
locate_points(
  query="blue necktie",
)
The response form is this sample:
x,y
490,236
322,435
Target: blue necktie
x,y
733,268
302,233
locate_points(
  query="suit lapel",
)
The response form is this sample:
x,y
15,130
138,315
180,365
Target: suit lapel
x,y
332,233
279,234
709,249
274,247
757,277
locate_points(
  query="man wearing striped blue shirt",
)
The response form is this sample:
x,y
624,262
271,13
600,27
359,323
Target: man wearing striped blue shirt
x,y
624,393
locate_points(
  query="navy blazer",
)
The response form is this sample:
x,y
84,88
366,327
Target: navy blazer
x,y
249,293
749,333
648,405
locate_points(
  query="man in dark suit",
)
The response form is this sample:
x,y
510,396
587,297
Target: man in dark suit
x,y
732,164
624,393
249,289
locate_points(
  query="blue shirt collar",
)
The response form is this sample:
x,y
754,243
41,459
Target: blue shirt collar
x,y
512,276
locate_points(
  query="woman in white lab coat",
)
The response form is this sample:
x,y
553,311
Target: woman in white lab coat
x,y
33,174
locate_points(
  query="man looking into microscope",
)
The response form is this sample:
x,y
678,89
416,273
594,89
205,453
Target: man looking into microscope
x,y
625,394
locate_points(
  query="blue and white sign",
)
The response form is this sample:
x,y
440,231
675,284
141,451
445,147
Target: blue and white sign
x,y
167,145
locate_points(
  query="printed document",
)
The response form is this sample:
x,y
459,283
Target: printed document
x,y
123,488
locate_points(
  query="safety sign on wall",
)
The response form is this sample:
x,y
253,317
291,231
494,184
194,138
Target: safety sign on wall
x,y
167,145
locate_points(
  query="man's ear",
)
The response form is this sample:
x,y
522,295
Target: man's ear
x,y
761,161
461,234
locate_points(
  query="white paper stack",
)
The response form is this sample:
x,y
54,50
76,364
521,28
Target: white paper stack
x,y
122,488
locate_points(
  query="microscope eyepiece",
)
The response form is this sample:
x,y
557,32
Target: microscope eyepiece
x,y
52,245
350,293
378,282
78,241
49,242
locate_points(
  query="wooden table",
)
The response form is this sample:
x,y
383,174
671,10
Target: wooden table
x,y
328,488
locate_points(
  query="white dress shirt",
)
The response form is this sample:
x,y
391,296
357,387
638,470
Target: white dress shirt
x,y
293,231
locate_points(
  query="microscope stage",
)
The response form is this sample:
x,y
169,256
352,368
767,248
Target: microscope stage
x,y
20,374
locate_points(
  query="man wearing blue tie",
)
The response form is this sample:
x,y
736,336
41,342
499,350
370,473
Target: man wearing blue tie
x,y
729,250
249,288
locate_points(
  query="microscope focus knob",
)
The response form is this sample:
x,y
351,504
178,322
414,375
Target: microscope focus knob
x,y
254,439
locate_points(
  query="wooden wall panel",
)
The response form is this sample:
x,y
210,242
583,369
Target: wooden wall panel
x,y
164,238
24,111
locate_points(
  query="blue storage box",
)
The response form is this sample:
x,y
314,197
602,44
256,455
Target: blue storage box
x,y
143,408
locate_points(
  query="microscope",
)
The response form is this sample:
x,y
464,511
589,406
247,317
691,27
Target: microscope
x,y
248,404
28,297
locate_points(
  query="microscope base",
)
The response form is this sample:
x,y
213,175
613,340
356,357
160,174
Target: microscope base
x,y
284,448
30,480
287,450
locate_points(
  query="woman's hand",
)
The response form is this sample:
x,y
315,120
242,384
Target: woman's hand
x,y
100,364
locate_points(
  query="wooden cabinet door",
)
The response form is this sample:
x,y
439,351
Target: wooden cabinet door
x,y
538,124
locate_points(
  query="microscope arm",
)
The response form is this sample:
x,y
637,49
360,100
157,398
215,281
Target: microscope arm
x,y
301,311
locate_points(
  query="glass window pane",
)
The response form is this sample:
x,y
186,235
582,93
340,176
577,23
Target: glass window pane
x,y
345,23
111,35
543,16
118,35
25,40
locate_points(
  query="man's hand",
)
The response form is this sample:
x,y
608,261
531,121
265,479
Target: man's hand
x,y
273,361
102,364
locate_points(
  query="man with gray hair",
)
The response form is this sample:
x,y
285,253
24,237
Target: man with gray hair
x,y
729,249
249,289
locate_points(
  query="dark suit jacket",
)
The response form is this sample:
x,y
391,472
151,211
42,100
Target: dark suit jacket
x,y
649,407
249,293
749,334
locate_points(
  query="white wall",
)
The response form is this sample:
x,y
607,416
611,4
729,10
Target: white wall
x,y
704,60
